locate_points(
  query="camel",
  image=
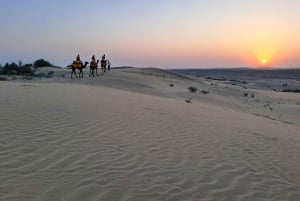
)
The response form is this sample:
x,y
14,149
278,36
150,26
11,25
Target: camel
x,y
78,65
103,66
93,67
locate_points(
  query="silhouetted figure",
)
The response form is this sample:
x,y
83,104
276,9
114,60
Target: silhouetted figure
x,y
93,66
103,64
108,65
77,64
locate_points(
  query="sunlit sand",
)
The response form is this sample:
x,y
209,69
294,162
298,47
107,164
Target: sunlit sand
x,y
141,134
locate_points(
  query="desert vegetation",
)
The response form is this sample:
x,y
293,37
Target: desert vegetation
x,y
193,89
25,69
292,90
42,63
205,92
16,69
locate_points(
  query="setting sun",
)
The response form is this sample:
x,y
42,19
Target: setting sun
x,y
264,61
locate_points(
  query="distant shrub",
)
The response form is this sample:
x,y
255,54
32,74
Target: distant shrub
x,y
243,82
193,89
252,95
246,94
171,85
42,63
40,75
28,65
16,69
292,90
10,68
188,100
50,74
3,78
27,78
205,92
27,70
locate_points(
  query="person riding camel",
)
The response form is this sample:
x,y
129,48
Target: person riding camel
x,y
103,64
93,66
93,59
78,61
94,62
78,64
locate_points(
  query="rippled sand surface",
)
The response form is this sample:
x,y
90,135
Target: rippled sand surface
x,y
71,141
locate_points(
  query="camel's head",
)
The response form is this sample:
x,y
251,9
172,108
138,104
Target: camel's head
x,y
85,64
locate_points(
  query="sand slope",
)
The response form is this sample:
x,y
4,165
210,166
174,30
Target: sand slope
x,y
130,136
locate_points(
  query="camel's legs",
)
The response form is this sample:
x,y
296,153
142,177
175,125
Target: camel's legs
x,y
73,72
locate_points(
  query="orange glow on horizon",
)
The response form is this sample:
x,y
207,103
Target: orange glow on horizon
x,y
261,45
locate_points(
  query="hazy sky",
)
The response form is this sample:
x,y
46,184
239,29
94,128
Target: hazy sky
x,y
160,33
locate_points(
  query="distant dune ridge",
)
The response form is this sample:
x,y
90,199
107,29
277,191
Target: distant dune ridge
x,y
131,135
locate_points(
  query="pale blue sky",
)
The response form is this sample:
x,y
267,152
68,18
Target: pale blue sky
x,y
162,33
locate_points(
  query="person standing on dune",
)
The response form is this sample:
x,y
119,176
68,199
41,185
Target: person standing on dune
x,y
108,65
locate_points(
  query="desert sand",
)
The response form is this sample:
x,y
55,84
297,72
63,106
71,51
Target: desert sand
x,y
131,135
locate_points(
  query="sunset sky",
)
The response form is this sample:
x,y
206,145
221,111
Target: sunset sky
x,y
159,33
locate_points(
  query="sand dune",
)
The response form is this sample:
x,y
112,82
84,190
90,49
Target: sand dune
x,y
129,135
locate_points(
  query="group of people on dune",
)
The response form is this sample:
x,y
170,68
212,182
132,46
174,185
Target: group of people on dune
x,y
79,65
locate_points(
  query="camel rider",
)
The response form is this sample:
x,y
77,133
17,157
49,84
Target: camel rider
x,y
103,57
93,62
78,61
93,59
